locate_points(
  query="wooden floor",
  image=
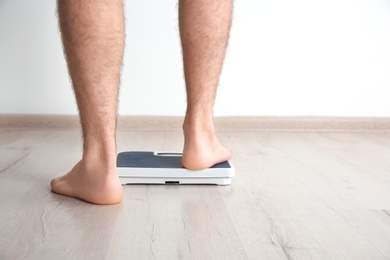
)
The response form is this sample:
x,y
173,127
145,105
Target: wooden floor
x,y
296,195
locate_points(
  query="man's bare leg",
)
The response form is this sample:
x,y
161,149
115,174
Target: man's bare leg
x,y
93,39
204,31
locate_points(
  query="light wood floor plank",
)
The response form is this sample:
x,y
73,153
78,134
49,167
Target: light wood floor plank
x,y
301,223
295,196
368,198
361,149
359,187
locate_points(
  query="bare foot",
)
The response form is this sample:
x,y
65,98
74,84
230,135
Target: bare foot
x,y
202,149
92,182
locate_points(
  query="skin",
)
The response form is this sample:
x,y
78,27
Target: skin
x,y
93,38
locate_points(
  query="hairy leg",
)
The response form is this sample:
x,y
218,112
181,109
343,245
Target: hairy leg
x,y
93,39
204,32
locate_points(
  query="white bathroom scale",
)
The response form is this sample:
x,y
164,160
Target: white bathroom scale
x,y
166,168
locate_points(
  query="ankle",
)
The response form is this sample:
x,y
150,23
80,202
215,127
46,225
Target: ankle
x,y
102,158
99,151
198,123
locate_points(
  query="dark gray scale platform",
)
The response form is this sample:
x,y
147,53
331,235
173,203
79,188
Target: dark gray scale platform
x,y
165,168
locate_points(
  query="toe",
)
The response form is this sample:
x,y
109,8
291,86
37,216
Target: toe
x,y
63,188
54,181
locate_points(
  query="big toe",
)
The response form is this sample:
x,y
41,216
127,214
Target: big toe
x,y
222,155
62,187
199,161
54,181
226,154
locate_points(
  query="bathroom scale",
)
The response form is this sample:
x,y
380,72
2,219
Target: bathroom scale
x,y
165,168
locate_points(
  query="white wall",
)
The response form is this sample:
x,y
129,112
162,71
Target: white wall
x,y
303,57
